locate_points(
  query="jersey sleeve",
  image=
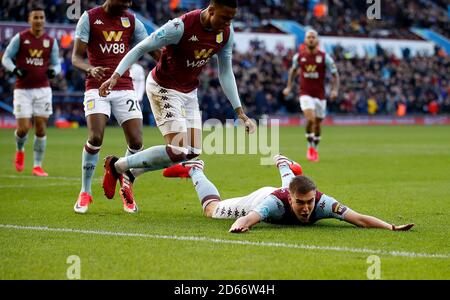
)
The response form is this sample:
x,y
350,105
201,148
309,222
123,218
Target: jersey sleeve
x,y
10,53
226,75
169,34
295,61
82,29
54,58
140,33
328,207
331,65
270,208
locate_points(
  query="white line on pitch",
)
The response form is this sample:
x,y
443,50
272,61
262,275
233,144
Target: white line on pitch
x,y
46,178
27,186
233,242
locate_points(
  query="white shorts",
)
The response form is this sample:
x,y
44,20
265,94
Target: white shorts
x,y
241,206
173,111
33,102
123,104
316,104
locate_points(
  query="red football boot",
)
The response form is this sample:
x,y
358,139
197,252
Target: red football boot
x,y
110,177
126,193
84,199
310,154
38,171
182,170
316,156
294,166
20,161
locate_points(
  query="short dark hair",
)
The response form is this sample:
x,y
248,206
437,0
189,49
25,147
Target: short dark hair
x,y
302,185
36,6
228,3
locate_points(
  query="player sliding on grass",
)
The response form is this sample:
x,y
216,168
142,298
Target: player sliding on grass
x,y
297,202
188,43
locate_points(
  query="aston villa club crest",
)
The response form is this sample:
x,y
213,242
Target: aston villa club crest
x,y
318,59
46,43
219,38
125,22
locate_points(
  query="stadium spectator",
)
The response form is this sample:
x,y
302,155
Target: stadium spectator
x,y
297,202
341,17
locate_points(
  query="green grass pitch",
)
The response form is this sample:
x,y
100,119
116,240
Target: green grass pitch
x,y
400,174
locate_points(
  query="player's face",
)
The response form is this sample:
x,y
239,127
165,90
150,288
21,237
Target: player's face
x,y
303,205
37,20
120,6
311,40
221,17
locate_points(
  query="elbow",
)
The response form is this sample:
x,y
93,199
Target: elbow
x,y
4,64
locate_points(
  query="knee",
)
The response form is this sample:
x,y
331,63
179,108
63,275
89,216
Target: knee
x,y
210,207
311,121
40,131
134,139
22,131
176,154
135,145
95,139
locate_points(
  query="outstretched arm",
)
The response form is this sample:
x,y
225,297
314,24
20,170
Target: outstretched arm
x,y
270,208
244,224
365,221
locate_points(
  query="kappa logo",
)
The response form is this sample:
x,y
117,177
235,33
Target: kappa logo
x,y
229,212
194,38
26,42
303,59
98,22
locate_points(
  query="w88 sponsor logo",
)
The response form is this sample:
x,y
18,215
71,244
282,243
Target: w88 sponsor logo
x,y
114,48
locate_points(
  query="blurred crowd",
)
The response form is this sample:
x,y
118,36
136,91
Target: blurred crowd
x,y
382,85
328,17
375,86
349,18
